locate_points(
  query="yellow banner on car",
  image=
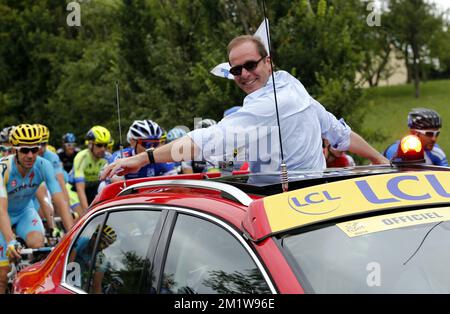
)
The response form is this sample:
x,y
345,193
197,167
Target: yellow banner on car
x,y
374,224
356,196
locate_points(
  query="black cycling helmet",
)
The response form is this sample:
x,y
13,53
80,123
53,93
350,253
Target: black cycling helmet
x,y
423,119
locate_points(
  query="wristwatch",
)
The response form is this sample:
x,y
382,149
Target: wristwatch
x,y
151,158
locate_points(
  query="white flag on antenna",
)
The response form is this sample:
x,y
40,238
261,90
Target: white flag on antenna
x,y
262,33
223,69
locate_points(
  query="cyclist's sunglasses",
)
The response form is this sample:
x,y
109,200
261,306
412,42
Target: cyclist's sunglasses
x,y
429,133
148,143
26,150
249,66
5,149
99,145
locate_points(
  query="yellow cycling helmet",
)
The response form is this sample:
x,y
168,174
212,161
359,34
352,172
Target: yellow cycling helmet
x,y
25,134
45,133
51,148
99,135
111,145
108,235
163,138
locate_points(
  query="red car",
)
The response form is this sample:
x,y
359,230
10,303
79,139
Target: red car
x,y
374,229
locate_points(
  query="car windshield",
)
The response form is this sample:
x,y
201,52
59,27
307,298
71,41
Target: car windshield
x,y
408,259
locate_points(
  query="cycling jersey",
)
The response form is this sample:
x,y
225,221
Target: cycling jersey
x,y
86,167
54,160
57,167
66,160
150,170
342,161
436,156
20,192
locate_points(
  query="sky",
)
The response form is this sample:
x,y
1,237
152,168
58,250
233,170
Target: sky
x,y
444,4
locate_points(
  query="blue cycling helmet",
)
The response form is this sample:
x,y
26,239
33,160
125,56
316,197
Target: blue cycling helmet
x,y
69,138
175,133
231,110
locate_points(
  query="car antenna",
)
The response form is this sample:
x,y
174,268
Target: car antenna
x,y
284,172
120,128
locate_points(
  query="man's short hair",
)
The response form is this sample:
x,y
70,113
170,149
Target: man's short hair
x,y
247,38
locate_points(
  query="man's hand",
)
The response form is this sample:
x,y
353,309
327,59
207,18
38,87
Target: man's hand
x,y
124,165
381,160
13,250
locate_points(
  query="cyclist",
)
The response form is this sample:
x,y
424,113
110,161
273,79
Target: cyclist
x,y
88,164
82,254
59,172
5,146
144,134
20,176
68,151
182,167
425,124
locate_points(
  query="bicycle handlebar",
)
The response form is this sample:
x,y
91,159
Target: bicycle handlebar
x,y
25,252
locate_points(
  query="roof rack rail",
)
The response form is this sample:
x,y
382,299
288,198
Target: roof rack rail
x,y
229,190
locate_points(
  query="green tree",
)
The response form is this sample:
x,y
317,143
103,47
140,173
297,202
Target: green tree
x,y
413,25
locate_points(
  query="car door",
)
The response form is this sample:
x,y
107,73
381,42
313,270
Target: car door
x,y
113,249
198,253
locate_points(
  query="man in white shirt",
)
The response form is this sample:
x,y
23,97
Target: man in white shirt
x,y
303,123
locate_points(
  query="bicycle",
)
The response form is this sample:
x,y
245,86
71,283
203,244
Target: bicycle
x,y
28,257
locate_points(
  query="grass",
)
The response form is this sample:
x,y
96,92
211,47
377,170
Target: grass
x,y
389,106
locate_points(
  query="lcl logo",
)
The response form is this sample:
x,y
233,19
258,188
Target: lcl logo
x,y
301,204
393,186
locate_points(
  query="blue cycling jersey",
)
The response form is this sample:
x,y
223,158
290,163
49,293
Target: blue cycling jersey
x,y
54,160
436,156
150,170
21,190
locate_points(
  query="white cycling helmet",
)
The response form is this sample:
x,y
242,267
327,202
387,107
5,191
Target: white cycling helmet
x,y
144,129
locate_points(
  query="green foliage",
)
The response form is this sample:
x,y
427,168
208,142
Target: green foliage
x,y
161,53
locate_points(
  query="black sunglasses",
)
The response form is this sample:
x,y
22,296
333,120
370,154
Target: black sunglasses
x,y
249,66
26,150
101,145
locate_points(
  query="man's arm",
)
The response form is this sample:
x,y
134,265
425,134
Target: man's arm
x,y
5,225
45,208
360,147
82,195
62,184
178,150
63,210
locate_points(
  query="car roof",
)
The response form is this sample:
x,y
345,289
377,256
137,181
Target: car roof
x,y
258,208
